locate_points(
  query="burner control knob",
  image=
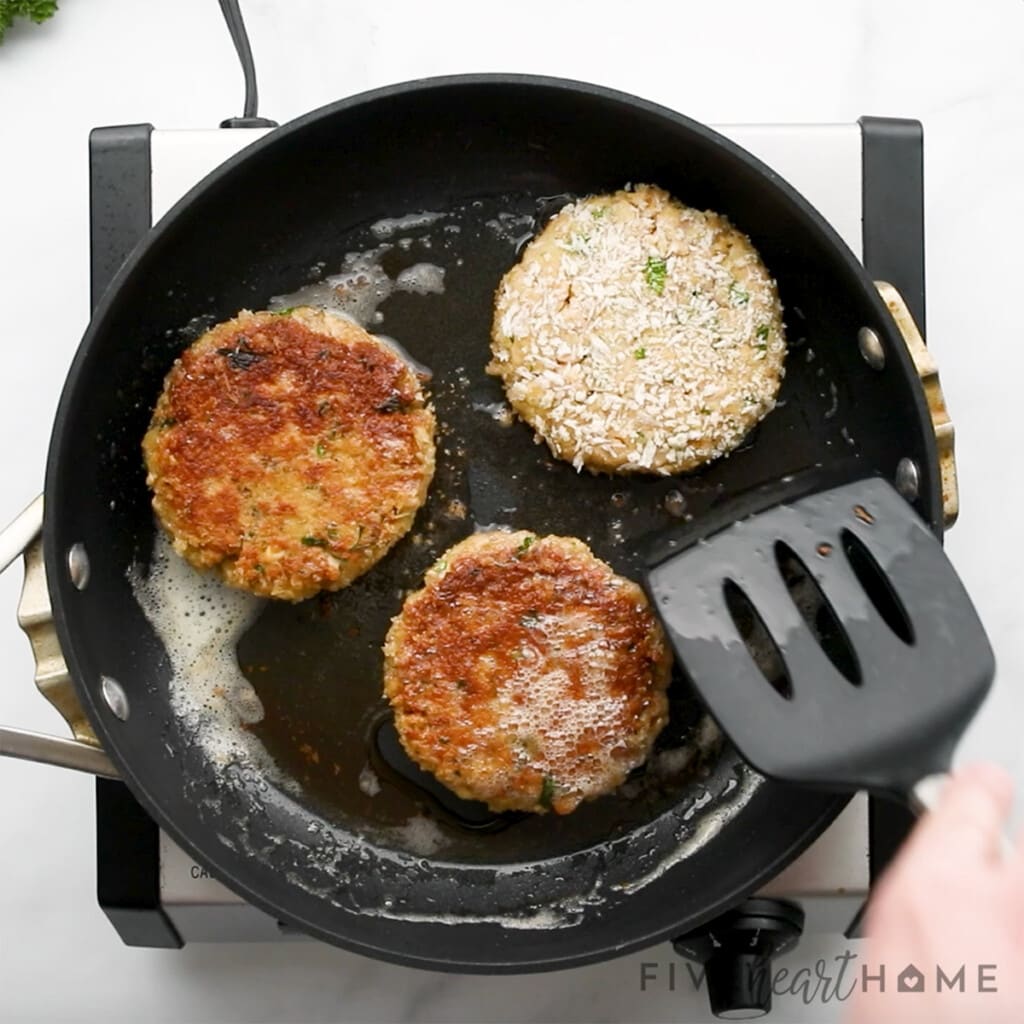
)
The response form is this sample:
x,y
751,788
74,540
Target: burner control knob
x,y
737,949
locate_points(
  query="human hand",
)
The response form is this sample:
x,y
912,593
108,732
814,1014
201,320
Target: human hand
x,y
951,898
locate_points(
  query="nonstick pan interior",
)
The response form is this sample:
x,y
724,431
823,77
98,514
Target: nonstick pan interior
x,y
496,157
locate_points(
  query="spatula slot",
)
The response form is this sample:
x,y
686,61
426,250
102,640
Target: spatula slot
x,y
758,641
814,607
877,586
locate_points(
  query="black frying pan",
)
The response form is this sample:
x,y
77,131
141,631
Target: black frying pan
x,y
503,893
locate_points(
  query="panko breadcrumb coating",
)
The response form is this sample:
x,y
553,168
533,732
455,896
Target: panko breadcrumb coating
x,y
638,335
289,452
526,673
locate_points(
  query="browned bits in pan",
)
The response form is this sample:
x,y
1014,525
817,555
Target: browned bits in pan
x,y
863,514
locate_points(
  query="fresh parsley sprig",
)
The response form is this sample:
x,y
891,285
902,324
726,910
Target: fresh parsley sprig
x,y
35,10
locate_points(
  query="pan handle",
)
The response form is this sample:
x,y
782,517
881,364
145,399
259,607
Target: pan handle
x,y
20,534
924,796
79,754
928,374
63,753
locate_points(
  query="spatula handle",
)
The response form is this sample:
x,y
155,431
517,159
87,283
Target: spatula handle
x,y
924,797
925,794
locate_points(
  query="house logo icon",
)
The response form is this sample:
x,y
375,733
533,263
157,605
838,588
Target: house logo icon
x,y
910,980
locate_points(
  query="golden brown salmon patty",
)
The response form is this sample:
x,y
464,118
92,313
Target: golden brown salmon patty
x,y
638,335
289,452
526,673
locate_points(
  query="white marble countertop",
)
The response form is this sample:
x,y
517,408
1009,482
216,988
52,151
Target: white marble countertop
x,y
957,69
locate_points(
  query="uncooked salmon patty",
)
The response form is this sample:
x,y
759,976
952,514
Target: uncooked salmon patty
x,y
639,335
289,452
526,673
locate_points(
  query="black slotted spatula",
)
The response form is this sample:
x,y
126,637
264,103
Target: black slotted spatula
x,y
830,637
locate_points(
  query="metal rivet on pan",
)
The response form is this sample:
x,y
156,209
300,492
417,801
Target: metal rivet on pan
x,y
114,695
871,348
78,566
908,478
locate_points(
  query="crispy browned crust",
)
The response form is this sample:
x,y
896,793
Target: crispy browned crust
x,y
526,674
289,452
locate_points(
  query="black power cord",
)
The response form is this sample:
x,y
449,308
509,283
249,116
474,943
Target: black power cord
x,y
236,26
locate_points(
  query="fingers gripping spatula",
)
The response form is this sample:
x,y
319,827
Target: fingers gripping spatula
x,y
830,637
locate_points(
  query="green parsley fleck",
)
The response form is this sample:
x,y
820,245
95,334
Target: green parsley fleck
x,y
321,449
578,243
441,565
763,331
640,353
761,346
314,542
737,295
599,212
547,791
655,272
285,312
705,411
525,545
